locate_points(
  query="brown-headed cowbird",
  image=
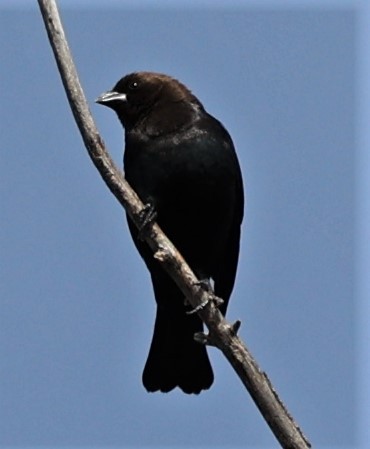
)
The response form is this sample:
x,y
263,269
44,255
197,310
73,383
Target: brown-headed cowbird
x,y
182,162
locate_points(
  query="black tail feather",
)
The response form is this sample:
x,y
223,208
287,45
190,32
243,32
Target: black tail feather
x,y
175,359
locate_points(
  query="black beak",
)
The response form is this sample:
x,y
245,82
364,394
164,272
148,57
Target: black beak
x,y
110,98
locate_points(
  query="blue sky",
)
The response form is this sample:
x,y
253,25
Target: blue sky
x,y
290,82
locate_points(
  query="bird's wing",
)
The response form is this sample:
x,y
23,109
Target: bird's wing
x,y
224,279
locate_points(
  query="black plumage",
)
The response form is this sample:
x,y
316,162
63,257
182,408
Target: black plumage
x,y
182,161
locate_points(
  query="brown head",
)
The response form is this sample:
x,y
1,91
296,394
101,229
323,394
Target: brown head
x,y
153,103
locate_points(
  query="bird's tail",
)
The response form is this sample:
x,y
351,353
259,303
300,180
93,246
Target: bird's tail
x,y
175,358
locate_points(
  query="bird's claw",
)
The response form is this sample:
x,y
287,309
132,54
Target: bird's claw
x,y
207,286
147,216
198,307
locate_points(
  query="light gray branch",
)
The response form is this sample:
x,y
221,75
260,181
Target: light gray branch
x,y
221,333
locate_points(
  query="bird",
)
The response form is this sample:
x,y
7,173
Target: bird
x,y
182,163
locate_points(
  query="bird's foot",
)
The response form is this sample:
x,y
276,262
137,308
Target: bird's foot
x,y
206,285
147,216
198,307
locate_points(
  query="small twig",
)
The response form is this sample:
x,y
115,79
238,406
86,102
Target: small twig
x,y
236,326
222,334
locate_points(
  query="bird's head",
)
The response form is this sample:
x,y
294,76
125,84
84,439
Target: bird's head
x,y
153,101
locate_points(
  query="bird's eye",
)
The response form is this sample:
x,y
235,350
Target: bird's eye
x,y
133,85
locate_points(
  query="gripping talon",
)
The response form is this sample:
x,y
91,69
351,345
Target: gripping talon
x,y
205,284
198,308
147,216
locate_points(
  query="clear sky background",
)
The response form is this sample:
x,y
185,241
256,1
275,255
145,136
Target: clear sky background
x,y
289,79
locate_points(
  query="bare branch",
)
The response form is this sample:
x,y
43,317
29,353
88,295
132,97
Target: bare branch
x,y
221,333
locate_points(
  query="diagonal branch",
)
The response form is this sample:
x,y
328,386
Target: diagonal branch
x,y
221,333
